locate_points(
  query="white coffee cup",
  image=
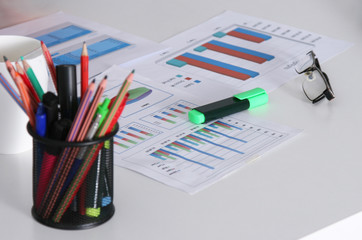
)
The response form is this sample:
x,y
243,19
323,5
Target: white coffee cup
x,y
13,134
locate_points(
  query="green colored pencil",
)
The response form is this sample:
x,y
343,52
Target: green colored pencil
x,y
33,79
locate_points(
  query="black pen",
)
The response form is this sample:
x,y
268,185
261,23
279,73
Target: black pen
x,y
67,90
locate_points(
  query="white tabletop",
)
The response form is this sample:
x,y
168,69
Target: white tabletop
x,y
302,186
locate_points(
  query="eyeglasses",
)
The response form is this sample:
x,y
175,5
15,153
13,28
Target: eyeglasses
x,y
316,85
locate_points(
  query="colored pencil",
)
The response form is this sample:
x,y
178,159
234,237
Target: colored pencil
x,y
67,157
26,100
33,79
82,136
27,82
49,60
106,126
12,92
84,61
92,109
13,73
92,153
10,68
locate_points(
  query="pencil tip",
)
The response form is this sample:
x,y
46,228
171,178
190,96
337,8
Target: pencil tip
x,y
133,71
105,77
84,49
5,58
93,81
22,58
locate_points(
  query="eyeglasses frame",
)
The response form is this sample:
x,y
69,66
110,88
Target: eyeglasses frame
x,y
328,92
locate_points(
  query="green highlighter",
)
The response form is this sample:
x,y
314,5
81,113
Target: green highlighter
x,y
237,103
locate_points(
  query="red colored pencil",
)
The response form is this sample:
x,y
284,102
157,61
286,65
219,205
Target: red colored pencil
x,y
84,61
49,60
27,81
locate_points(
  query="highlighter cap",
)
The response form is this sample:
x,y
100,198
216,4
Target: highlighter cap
x,y
256,97
196,116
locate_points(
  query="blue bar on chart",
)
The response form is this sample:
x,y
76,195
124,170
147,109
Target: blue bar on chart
x,y
164,119
205,147
95,50
245,34
170,116
131,135
212,65
224,125
63,34
236,51
176,156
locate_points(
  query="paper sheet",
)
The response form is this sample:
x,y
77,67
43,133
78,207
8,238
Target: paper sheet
x,y
64,35
226,55
156,139
265,51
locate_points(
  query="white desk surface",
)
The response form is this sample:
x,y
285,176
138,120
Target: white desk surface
x,y
308,183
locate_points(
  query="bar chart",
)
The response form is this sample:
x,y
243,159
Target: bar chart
x,y
224,48
215,147
171,116
60,34
98,48
132,135
235,55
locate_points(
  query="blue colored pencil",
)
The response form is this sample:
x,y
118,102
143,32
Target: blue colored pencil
x,y
14,95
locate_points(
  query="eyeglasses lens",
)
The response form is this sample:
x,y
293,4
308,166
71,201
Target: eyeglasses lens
x,y
313,84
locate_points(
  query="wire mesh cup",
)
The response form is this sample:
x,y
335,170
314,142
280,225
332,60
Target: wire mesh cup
x,y
72,181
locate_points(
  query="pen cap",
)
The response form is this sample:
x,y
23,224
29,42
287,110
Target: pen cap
x,y
256,97
67,90
50,101
103,109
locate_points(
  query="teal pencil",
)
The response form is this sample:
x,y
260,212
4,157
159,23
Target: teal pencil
x,y
33,79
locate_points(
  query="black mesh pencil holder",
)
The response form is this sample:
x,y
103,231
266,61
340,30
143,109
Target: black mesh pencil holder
x,y
72,181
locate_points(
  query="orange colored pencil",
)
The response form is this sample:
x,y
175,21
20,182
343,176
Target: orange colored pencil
x,y
33,101
50,63
92,109
26,100
10,68
84,61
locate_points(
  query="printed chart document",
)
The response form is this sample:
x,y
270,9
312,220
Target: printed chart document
x,y
226,55
64,35
156,139
237,50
